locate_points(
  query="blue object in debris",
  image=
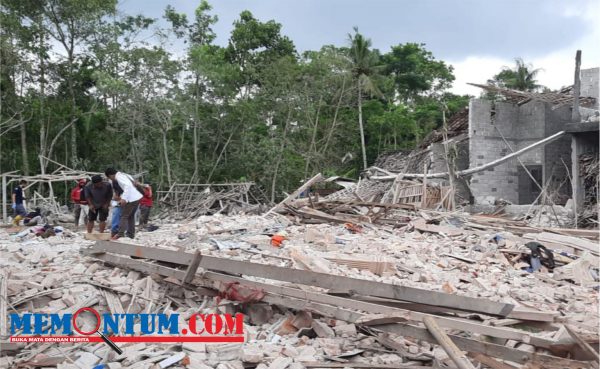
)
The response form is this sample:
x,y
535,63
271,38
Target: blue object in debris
x,y
536,264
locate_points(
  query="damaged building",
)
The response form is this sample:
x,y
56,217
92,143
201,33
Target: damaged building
x,y
507,121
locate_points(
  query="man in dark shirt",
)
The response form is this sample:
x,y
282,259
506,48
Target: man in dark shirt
x,y
17,202
98,195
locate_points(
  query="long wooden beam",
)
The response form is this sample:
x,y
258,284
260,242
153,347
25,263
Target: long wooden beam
x,y
310,278
369,307
480,168
317,178
337,312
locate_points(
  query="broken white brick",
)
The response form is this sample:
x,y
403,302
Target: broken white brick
x,y
252,355
194,346
86,360
171,360
289,351
280,363
345,330
302,320
322,330
50,281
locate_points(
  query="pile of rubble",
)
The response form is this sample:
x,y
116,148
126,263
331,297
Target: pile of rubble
x,y
327,295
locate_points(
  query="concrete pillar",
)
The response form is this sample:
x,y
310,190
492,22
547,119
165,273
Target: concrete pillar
x,y
4,214
577,195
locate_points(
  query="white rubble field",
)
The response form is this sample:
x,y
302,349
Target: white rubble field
x,y
51,276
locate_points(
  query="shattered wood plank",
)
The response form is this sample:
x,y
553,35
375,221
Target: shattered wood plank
x,y
308,262
337,312
459,358
499,351
320,215
192,268
574,242
322,280
421,225
587,348
293,195
451,323
113,302
480,168
491,362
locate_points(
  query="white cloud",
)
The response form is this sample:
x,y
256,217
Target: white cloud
x,y
557,67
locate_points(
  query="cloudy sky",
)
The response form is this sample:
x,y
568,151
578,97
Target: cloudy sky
x,y
477,37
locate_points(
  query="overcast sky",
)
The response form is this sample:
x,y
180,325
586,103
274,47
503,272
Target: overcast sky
x,y
477,37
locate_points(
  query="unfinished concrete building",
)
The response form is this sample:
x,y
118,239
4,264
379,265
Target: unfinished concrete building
x,y
498,128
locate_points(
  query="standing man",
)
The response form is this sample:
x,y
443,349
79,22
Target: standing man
x,y
79,202
98,193
17,202
130,199
145,206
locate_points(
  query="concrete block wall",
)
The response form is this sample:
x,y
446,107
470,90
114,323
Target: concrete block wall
x,y
438,164
589,83
486,145
557,152
529,128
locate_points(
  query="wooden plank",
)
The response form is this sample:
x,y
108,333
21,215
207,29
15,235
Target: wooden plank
x,y
322,280
574,242
483,167
340,313
459,358
587,348
192,268
492,363
421,225
451,323
309,278
293,195
499,351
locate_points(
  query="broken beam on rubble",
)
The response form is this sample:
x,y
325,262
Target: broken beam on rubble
x,y
587,348
337,312
322,280
293,195
459,358
480,168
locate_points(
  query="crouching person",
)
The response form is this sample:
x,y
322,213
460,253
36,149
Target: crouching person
x,y
98,194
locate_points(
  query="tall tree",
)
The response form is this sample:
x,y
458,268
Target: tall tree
x,y
200,36
364,67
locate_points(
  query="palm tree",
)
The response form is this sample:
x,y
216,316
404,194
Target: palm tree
x,y
522,77
363,69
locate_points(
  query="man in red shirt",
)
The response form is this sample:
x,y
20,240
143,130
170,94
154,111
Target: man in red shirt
x,y
145,205
79,202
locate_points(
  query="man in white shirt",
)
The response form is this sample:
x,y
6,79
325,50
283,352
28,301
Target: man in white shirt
x,y
130,199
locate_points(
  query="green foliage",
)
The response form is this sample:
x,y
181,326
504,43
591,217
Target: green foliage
x,y
415,71
254,110
521,77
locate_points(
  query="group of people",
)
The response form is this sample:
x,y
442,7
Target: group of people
x,y
93,199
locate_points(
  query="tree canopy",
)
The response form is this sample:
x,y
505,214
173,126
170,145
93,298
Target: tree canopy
x,y
86,86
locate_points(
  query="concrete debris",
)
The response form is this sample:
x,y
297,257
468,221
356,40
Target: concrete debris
x,y
292,323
